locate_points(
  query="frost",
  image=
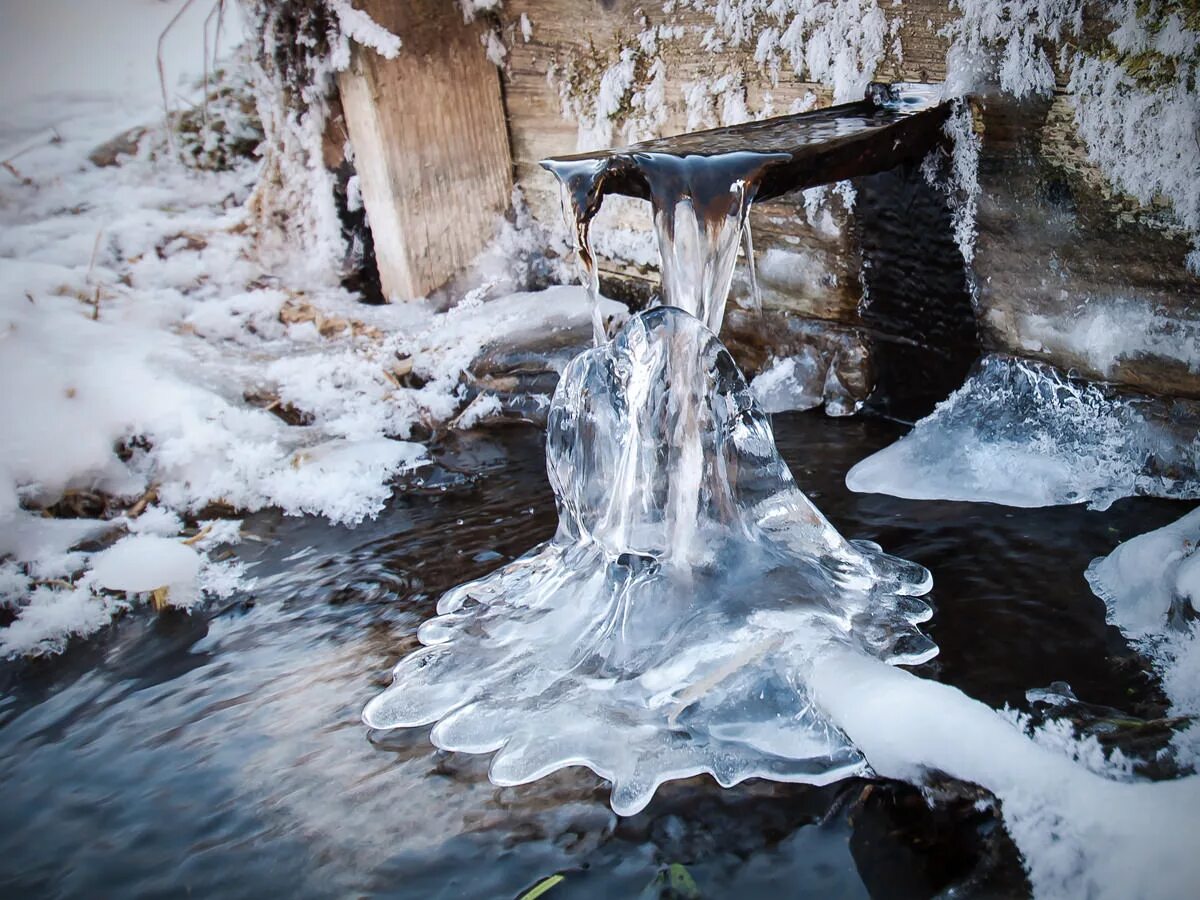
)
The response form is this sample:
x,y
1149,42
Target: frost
x,y
840,45
961,182
608,96
362,29
1144,140
1022,434
1136,100
1009,38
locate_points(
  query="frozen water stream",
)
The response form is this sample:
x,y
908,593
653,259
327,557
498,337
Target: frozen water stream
x,y
669,627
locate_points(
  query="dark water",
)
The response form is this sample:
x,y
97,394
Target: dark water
x,y
220,754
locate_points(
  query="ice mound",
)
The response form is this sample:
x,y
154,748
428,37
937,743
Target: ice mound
x,y
1021,433
1152,580
667,629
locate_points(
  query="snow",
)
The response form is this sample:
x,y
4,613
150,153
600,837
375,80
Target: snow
x,y
149,329
1080,834
144,562
1150,585
1022,434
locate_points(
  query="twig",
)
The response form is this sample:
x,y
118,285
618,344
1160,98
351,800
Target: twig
x,y
199,535
204,103
162,72
55,138
12,170
145,500
91,268
217,33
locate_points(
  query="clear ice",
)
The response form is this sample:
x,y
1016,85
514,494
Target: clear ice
x,y
1021,433
668,628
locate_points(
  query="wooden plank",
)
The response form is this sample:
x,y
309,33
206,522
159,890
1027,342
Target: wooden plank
x,y
430,143
779,155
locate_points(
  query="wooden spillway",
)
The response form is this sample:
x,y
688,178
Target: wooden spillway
x,y
893,124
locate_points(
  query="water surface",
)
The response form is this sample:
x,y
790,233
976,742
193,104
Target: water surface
x,y
221,753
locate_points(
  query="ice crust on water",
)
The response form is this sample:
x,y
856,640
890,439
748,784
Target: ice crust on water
x,y
667,628
1021,433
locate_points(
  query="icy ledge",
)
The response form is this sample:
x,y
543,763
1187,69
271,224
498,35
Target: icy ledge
x,y
1150,585
1021,433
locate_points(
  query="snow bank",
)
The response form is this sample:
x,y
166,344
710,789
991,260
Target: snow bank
x,y
144,562
150,349
1080,835
1022,434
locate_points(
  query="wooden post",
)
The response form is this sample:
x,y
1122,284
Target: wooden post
x,y
430,144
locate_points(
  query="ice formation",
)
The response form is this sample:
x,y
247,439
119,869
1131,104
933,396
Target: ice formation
x,y
1152,579
668,628
1021,433
1150,585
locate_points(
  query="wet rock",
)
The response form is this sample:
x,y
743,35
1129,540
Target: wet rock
x,y
1070,272
511,381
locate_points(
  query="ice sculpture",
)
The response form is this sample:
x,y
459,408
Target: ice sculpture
x,y
669,627
666,629
1022,433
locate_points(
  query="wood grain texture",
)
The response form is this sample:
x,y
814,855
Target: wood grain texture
x,y
813,267
430,142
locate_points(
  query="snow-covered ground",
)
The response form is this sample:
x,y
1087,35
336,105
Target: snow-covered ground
x,y
145,348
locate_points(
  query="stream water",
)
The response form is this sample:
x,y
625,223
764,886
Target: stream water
x,y
221,753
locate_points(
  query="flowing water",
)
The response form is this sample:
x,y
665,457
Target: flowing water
x,y
221,753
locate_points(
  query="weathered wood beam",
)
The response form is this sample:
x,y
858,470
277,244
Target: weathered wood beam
x,y
799,151
430,144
